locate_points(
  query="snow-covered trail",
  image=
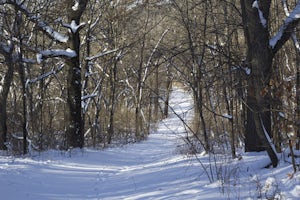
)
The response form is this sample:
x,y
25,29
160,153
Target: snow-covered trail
x,y
151,169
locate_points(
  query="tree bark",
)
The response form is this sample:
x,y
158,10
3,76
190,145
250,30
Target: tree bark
x,y
168,92
260,54
298,102
113,81
3,100
259,60
74,128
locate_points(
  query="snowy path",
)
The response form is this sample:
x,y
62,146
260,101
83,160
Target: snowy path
x,y
152,169
148,170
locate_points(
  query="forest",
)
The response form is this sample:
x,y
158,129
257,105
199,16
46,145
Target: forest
x,y
98,73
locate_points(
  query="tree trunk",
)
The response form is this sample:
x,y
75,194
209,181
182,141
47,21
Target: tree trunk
x,y
3,125
156,94
113,80
3,99
200,119
168,92
298,102
259,60
74,128
24,107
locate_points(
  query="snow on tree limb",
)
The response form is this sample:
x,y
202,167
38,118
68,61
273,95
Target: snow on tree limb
x,y
4,48
286,29
69,53
75,7
73,27
267,136
101,54
296,42
50,32
263,20
7,51
294,37
45,75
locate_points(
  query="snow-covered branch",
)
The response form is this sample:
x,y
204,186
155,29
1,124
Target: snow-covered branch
x,y
286,29
263,20
83,98
287,13
101,54
73,26
5,49
152,54
37,20
296,42
45,75
2,2
68,53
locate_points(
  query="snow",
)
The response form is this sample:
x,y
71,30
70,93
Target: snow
x,y
263,20
267,134
55,53
39,58
248,71
296,42
101,54
5,48
227,116
294,15
73,26
56,35
38,21
152,169
75,7
281,114
44,76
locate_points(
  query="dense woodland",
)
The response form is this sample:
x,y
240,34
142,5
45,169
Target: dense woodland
x,y
95,73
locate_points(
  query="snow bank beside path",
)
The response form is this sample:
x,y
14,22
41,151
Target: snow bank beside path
x,y
151,169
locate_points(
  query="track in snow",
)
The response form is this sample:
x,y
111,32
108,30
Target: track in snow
x,y
146,170
152,169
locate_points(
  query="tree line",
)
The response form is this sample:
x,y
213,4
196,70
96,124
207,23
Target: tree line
x,y
91,73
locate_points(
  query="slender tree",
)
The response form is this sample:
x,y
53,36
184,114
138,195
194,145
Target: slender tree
x,y
7,52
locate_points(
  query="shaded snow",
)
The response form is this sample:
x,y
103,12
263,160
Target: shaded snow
x,y
227,116
263,20
152,169
247,71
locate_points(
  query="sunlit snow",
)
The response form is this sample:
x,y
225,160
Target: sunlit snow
x,y
152,169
